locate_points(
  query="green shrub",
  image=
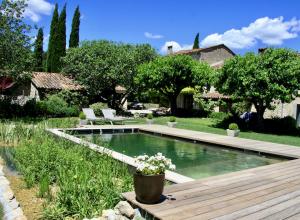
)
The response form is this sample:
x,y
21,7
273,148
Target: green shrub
x,y
57,107
82,116
233,126
150,116
73,98
218,115
97,107
172,119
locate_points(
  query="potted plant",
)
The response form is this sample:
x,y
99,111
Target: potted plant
x,y
149,119
82,119
172,122
233,130
149,177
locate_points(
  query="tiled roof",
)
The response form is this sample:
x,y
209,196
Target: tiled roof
x,y
43,80
203,49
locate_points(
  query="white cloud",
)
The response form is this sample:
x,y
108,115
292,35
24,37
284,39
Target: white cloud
x,y
267,30
176,47
153,36
37,8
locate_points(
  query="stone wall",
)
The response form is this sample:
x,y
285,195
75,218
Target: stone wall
x,y
284,109
11,207
215,55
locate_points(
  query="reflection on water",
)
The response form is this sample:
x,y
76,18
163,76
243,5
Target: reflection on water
x,y
193,160
6,153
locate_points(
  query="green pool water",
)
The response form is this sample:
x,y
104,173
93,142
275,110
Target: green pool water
x,y
195,160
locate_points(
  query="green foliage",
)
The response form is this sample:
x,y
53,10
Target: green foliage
x,y
73,98
74,36
15,44
260,79
97,108
102,65
172,119
238,108
52,58
38,51
88,181
233,126
218,115
44,187
82,116
170,74
196,42
150,116
188,91
57,107
61,39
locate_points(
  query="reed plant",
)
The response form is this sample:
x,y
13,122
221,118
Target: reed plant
x,y
87,182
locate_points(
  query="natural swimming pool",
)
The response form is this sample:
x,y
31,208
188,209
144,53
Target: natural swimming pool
x,y
195,160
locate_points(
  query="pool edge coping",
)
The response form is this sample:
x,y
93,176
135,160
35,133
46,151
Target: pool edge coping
x,y
170,176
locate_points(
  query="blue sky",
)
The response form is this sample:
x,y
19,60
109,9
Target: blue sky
x,y
241,25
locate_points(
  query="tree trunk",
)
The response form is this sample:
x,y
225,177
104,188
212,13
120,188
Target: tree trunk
x,y
260,109
173,102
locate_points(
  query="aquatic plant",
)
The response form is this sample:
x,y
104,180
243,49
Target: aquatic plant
x,y
87,181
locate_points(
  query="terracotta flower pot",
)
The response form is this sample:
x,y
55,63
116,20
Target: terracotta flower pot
x,y
148,188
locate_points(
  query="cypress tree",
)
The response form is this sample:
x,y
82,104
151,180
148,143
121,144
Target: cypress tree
x,y
196,42
61,39
52,42
74,36
38,51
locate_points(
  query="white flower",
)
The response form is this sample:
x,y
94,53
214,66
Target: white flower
x,y
172,167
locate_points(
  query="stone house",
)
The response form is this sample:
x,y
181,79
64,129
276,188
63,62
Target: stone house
x,y
215,56
41,84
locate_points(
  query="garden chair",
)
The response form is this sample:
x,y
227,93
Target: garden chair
x,y
110,115
90,115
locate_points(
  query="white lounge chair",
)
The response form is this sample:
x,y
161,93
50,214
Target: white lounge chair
x,y
110,115
90,115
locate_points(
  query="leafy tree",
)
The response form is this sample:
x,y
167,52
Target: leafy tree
x,y
61,38
261,79
74,36
15,54
196,42
38,50
102,65
170,74
52,59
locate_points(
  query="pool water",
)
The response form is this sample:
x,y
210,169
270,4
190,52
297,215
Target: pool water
x,y
195,160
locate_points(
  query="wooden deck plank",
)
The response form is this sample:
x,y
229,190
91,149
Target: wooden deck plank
x,y
269,192
294,217
231,190
259,207
251,190
220,205
215,197
280,211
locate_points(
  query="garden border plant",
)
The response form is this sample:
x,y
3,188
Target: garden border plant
x,y
87,182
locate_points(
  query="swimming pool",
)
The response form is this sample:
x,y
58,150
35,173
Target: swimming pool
x,y
195,160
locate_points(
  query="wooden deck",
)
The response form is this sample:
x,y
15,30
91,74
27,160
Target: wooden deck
x,y
269,192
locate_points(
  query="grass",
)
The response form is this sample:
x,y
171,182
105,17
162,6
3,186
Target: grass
x,y
87,182
207,125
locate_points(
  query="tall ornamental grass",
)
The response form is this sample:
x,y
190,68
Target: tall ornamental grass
x,y
85,181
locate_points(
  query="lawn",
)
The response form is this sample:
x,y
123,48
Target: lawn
x,y
207,125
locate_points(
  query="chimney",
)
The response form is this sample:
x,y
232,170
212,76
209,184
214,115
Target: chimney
x,y
170,49
261,50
